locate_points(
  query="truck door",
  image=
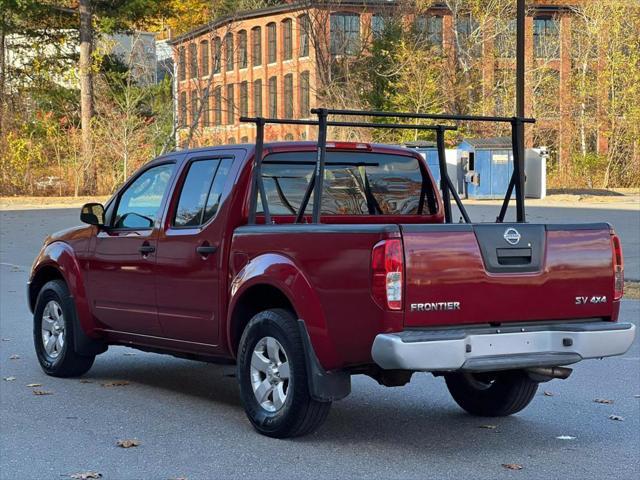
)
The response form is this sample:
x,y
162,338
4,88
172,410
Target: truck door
x,y
121,268
190,256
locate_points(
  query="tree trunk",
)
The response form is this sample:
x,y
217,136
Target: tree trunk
x,y
86,94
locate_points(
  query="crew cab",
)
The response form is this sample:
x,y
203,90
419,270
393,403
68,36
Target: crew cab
x,y
380,286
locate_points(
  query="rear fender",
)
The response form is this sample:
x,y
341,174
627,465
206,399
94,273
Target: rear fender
x,y
280,271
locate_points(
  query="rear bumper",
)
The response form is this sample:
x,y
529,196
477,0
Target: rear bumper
x,y
505,348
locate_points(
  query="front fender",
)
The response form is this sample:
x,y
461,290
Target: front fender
x,y
60,255
281,272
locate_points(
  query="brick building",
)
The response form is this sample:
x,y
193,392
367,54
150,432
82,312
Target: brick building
x,y
266,62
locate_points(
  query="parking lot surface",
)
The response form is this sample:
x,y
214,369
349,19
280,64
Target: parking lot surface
x,y
190,423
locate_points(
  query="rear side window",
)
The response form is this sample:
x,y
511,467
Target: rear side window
x,y
355,183
201,192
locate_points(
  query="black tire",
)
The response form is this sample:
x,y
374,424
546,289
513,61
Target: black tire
x,y
299,414
492,394
64,362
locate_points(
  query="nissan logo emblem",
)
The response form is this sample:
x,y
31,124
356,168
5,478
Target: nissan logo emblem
x,y
512,236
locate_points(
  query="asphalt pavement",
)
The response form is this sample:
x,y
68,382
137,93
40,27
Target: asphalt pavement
x,y
189,421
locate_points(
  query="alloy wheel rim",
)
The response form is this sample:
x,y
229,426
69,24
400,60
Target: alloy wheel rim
x,y
270,374
53,330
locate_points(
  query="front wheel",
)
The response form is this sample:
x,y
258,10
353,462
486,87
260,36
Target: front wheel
x,y
273,377
492,394
53,332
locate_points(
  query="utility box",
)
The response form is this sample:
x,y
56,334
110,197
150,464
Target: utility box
x,y
487,165
429,152
535,170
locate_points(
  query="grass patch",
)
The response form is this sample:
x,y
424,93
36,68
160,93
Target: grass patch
x,y
632,290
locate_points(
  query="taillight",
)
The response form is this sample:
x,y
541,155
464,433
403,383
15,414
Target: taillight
x,y
348,146
387,265
618,268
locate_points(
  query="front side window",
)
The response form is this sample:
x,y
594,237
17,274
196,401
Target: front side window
x,y
271,43
359,183
303,36
201,192
345,33
139,204
256,46
287,39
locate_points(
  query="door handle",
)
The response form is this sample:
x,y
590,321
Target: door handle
x,y
146,249
206,249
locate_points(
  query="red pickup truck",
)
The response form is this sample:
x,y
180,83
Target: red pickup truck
x,y
380,287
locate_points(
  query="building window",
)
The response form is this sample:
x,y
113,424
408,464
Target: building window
x,y
288,95
217,55
194,107
289,137
204,58
273,97
469,38
345,33
429,30
182,111
287,39
244,139
230,104
193,60
204,114
377,26
231,141
217,113
242,49
271,43
182,64
546,38
257,98
244,99
228,51
303,35
304,95
256,46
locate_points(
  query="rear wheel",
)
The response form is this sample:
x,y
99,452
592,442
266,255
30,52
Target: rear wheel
x,y
492,394
273,377
53,331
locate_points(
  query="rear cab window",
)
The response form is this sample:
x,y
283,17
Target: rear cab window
x,y
355,183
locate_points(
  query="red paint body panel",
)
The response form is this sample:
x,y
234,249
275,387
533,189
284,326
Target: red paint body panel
x,y
448,267
174,300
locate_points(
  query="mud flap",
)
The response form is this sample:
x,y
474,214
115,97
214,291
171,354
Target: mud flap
x,y
323,386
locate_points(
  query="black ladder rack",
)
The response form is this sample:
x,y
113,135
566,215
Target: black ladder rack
x,y
446,185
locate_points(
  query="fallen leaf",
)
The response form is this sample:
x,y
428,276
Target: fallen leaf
x,y
31,385
565,437
14,357
512,466
85,475
129,443
116,383
129,354
603,400
548,394
6,339
42,392
616,417
488,427
86,381
9,379
178,478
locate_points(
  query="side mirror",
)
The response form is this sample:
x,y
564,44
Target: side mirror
x,y
92,213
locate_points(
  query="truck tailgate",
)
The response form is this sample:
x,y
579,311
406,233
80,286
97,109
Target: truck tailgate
x,y
483,273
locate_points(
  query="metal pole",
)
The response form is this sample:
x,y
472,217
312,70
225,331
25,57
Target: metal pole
x,y
518,125
444,185
257,186
322,151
